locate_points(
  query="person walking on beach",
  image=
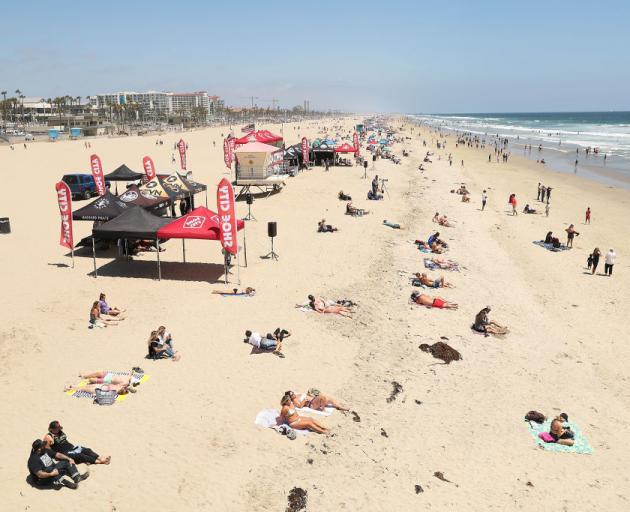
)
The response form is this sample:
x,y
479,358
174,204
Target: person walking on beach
x,y
609,262
539,190
588,216
548,194
596,254
542,192
547,210
484,199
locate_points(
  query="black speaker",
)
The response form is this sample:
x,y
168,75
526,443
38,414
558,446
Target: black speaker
x,y
249,198
365,164
373,158
272,229
5,225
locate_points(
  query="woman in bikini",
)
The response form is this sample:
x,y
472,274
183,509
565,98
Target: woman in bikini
x,y
289,415
318,304
121,389
315,400
430,302
106,378
96,320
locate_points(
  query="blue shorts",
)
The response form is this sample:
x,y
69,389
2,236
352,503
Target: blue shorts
x,y
267,344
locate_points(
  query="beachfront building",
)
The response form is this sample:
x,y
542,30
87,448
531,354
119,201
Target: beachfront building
x,y
153,101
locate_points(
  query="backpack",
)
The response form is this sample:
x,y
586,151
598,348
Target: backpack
x,y
535,416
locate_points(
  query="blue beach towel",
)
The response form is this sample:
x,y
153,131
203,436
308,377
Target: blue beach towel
x,y
579,446
550,247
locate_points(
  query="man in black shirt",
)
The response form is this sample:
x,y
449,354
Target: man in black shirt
x,y
57,440
44,468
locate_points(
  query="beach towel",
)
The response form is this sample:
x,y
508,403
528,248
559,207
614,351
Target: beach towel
x,y
305,308
550,247
242,294
135,377
454,267
580,444
268,418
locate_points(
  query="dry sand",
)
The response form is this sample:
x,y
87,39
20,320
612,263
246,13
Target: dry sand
x,y
187,439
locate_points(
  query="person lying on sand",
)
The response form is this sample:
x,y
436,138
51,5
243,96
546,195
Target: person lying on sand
x,y
561,434
289,415
353,210
103,377
527,209
56,440
322,227
235,291
438,302
121,389
315,400
270,343
484,325
344,197
442,220
445,264
438,282
321,306
96,320
106,309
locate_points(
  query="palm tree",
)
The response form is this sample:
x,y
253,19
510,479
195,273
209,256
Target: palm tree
x,y
4,107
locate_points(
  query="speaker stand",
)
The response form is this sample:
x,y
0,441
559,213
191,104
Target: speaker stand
x,y
249,215
272,255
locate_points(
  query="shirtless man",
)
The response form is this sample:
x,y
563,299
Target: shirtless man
x,y
438,302
433,283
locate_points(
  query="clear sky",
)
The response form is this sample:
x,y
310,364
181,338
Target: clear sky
x,y
390,56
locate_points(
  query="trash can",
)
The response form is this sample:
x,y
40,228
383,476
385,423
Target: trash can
x,y
5,225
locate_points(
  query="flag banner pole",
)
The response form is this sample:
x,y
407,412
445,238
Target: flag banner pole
x,y
157,242
245,247
94,257
184,249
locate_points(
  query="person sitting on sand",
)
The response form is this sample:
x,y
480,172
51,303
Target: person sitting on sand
x,y
106,309
270,343
571,233
561,434
49,467
96,320
235,291
321,306
436,217
353,210
344,197
322,227
527,209
289,415
549,237
438,282
437,246
57,441
486,326
438,302
158,348
315,400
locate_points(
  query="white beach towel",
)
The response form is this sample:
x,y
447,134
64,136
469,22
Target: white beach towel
x,y
269,418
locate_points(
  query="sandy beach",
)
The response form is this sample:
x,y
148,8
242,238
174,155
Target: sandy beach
x,y
187,439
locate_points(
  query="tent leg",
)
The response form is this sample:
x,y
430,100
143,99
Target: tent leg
x,y
245,247
184,249
157,242
94,257
206,198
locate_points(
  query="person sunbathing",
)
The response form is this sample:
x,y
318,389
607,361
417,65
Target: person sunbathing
x,y
445,264
344,197
269,343
322,227
315,400
484,325
438,302
235,291
106,309
432,283
527,209
96,320
561,434
121,389
353,210
104,377
289,415
321,306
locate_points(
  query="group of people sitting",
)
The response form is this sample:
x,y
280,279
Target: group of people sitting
x,y
102,314
161,345
462,191
272,342
433,243
321,305
53,459
552,240
313,399
442,220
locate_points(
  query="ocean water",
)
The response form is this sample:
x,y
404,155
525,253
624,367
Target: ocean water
x,y
560,134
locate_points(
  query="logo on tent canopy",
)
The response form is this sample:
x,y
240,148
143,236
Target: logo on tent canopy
x,y
130,195
194,222
101,203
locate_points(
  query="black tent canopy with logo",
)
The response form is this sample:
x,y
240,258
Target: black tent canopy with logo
x,y
134,196
135,223
123,173
103,208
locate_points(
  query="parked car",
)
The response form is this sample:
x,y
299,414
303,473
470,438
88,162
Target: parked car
x,y
29,137
82,186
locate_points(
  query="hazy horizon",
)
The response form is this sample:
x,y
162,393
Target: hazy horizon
x,y
364,56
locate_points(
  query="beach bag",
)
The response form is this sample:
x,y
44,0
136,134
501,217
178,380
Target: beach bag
x,y
105,396
546,437
535,416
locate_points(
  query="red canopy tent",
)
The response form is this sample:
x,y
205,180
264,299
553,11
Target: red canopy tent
x,y
199,224
345,148
264,136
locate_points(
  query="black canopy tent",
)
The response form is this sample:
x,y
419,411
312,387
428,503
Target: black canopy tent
x,y
123,173
103,208
322,153
133,195
135,223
